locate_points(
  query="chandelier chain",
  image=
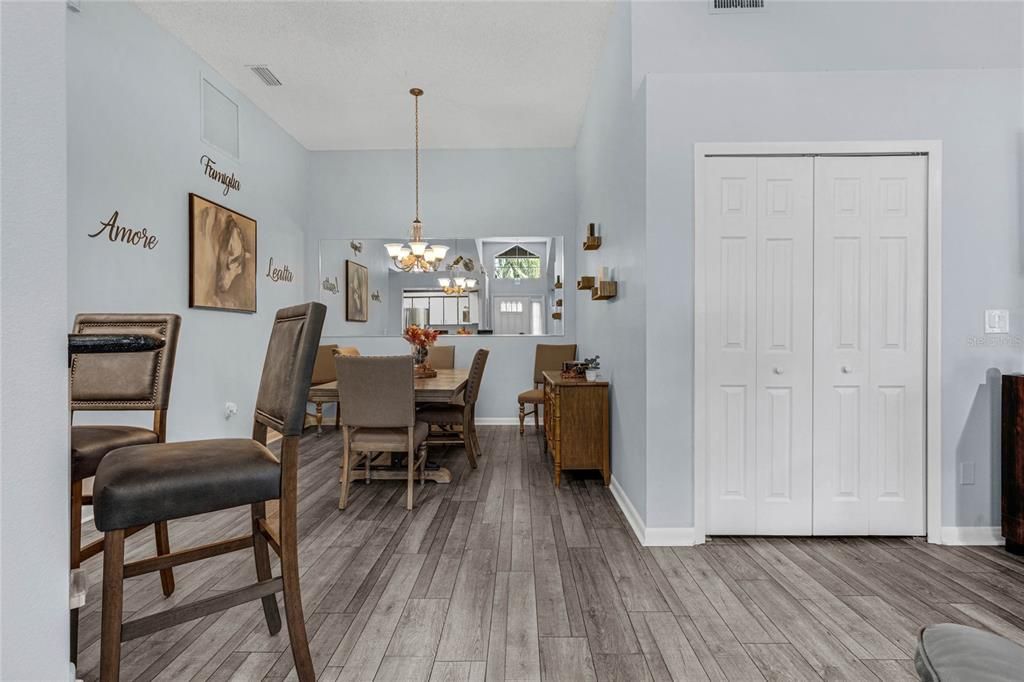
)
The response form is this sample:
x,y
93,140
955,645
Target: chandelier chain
x,y
416,99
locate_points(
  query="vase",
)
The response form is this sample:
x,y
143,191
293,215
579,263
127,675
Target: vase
x,y
419,355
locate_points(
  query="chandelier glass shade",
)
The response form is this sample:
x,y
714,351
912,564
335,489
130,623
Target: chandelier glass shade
x,y
457,285
418,255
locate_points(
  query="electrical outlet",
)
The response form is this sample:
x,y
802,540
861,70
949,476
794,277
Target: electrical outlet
x,y
230,410
997,321
966,473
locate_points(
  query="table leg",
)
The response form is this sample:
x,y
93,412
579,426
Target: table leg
x,y
319,418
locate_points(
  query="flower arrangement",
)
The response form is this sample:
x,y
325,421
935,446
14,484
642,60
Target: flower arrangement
x,y
422,337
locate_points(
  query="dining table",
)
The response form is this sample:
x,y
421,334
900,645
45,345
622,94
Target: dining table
x,y
436,389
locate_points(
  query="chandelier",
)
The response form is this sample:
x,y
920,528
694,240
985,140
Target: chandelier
x,y
456,285
418,256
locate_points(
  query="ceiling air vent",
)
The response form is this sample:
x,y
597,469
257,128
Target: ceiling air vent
x,y
267,76
735,6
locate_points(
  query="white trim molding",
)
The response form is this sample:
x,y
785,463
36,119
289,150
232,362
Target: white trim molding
x,y
498,421
649,537
933,396
972,535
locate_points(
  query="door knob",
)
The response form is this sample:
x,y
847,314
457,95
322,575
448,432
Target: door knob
x,y
846,370
777,370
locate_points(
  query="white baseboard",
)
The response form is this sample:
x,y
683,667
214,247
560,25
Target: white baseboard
x,y
972,535
667,536
497,421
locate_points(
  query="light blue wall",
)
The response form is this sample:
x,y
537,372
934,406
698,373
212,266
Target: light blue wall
x,y
134,146
33,348
610,185
464,194
976,115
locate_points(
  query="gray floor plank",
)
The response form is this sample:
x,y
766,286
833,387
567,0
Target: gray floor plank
x,y
566,659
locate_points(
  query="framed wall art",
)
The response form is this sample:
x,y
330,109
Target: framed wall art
x,y
357,292
222,257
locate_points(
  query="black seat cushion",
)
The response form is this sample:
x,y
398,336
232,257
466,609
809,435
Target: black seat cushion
x,y
956,653
90,443
147,483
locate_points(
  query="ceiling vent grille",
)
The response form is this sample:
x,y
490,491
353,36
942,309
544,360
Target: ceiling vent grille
x,y
264,73
735,6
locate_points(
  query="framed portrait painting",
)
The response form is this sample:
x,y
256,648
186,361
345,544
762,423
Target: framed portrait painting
x,y
222,257
357,292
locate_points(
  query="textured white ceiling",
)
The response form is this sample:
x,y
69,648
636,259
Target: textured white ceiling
x,y
495,74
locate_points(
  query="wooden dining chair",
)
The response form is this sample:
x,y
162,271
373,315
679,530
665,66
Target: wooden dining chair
x,y
117,382
323,373
441,357
548,358
460,415
377,398
147,484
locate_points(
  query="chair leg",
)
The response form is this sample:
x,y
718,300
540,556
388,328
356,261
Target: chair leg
x,y
522,418
467,440
319,418
262,556
76,554
343,500
423,461
337,416
410,465
536,416
113,600
292,596
163,546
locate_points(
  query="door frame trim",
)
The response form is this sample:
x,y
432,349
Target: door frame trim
x,y
933,334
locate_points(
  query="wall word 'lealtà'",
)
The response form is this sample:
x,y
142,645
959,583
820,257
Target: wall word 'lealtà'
x,y
230,182
126,235
281,274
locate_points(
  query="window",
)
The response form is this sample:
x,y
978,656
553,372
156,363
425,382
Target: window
x,y
517,263
511,306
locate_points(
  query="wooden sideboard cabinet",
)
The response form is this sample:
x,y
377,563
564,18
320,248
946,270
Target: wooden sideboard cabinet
x,y
576,424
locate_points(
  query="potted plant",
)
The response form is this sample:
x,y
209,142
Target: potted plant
x,y
593,367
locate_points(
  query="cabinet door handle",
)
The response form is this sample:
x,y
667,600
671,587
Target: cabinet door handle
x,y
778,370
846,369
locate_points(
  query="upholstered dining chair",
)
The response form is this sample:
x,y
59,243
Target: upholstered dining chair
x,y
377,398
548,358
146,484
461,414
323,372
118,382
441,357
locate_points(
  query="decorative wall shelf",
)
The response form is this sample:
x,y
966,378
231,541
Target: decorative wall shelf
x,y
558,281
585,282
593,240
603,291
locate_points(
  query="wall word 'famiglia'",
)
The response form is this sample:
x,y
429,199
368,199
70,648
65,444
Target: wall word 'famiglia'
x,y
126,235
330,285
230,182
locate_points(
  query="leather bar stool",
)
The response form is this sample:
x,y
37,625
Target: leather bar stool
x,y
117,382
459,414
548,358
145,484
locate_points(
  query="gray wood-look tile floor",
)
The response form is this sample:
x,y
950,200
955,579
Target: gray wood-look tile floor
x,y
501,576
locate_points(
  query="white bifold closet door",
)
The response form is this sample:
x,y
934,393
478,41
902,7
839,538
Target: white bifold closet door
x,y
815,344
869,345
759,270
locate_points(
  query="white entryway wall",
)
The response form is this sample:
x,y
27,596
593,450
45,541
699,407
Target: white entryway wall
x,y
813,300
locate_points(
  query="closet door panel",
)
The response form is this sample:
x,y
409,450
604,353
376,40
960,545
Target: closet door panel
x,y
869,284
784,272
730,327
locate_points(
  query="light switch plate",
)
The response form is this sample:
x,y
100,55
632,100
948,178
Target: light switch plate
x,y
997,321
